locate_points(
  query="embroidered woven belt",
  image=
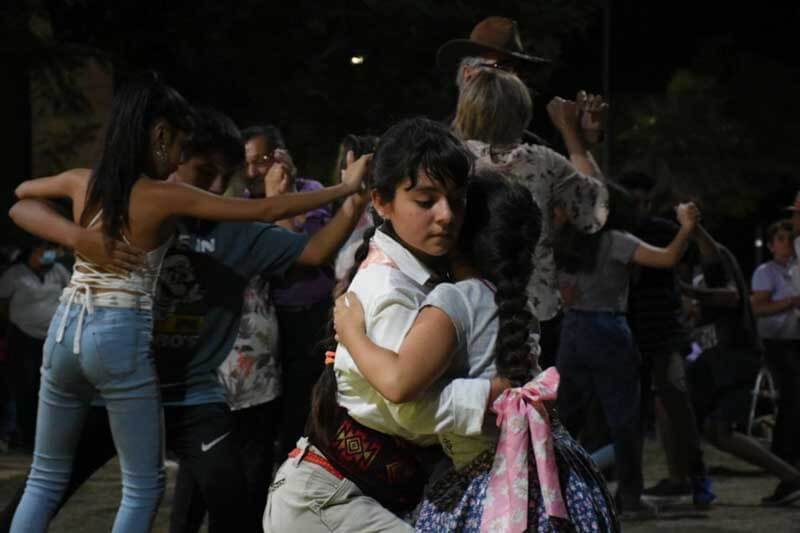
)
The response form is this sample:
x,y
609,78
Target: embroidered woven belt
x,y
384,467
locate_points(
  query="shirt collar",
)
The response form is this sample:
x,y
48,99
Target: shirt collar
x,y
405,260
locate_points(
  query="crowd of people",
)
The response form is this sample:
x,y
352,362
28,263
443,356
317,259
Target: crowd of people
x,y
464,331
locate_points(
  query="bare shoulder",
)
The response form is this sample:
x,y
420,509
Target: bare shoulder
x,y
80,176
77,178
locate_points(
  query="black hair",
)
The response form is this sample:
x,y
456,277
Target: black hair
x,y
270,132
407,148
215,132
575,250
359,145
136,107
502,225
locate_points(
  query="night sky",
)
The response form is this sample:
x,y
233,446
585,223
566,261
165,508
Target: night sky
x,y
649,40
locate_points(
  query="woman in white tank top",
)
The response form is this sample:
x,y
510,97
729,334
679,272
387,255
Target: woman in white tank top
x,y
99,338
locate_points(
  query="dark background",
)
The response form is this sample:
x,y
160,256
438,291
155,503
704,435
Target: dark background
x,y
704,95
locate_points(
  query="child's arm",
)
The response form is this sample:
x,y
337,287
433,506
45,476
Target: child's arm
x,y
41,219
181,199
65,185
398,376
655,257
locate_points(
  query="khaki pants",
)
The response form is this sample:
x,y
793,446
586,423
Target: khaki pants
x,y
306,497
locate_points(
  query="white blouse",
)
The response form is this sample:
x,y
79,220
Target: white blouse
x,y
392,285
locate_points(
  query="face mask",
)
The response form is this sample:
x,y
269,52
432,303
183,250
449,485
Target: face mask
x,y
48,257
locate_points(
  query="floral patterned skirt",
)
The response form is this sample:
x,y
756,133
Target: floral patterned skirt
x,y
455,502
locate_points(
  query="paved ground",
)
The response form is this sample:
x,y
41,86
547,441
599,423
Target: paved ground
x,y
738,486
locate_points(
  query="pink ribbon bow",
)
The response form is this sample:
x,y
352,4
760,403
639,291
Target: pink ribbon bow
x,y
521,411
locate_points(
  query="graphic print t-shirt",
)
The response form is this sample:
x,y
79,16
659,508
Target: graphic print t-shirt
x,y
200,300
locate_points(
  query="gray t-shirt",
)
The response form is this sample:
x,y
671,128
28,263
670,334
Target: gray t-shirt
x,y
606,288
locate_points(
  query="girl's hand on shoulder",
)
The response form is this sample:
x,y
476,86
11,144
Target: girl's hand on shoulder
x,y
348,317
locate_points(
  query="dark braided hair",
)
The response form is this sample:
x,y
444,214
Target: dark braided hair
x,y
502,224
406,149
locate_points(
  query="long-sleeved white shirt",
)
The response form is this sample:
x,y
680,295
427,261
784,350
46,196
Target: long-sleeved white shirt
x,y
392,284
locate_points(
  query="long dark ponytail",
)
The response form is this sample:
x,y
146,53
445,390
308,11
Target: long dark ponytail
x,y
407,148
502,224
137,105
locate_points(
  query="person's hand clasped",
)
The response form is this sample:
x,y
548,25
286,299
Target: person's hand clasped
x,y
591,116
277,180
284,158
348,317
355,171
563,113
688,215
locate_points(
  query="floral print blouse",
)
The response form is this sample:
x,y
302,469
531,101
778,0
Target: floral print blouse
x,y
553,182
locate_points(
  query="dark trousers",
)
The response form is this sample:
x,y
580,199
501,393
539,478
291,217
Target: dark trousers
x,y
597,359
302,361
254,431
671,389
25,361
783,359
201,436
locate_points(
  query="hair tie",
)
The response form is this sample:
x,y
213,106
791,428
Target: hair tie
x,y
330,357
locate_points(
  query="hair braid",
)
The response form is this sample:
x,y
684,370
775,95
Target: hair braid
x,y
502,226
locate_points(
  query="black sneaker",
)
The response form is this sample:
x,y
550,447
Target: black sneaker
x,y
785,493
668,489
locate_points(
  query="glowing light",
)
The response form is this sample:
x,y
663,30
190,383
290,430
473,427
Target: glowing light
x,y
357,60
759,243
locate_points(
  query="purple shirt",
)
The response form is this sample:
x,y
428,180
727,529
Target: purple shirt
x,y
302,286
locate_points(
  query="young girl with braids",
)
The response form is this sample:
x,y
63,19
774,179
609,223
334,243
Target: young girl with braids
x,y
480,326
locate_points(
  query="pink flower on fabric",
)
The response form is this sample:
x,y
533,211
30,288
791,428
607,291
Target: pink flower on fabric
x,y
376,256
521,412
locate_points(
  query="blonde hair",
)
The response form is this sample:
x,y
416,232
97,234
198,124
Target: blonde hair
x,y
494,107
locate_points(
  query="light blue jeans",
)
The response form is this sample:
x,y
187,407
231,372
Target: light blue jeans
x,y
115,361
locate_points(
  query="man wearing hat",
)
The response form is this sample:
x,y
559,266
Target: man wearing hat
x,y
495,42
